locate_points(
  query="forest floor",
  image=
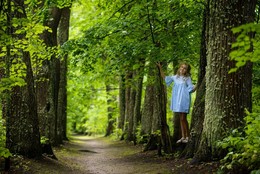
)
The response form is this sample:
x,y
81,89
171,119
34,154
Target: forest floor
x,y
99,155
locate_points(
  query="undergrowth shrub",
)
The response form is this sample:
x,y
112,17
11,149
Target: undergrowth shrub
x,y
4,152
243,148
117,134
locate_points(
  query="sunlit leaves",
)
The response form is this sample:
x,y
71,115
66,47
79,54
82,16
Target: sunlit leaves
x,y
9,83
26,38
246,48
86,101
3,151
111,38
243,147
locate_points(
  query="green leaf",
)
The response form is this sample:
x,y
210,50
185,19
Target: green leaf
x,y
2,54
232,70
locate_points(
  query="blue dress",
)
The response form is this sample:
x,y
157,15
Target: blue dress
x,y
181,90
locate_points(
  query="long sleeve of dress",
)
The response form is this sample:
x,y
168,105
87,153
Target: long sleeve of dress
x,y
169,80
190,85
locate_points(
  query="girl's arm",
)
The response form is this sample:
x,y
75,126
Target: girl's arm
x,y
191,87
168,79
161,71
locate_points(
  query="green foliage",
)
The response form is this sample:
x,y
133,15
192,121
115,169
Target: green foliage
x,y
108,39
26,38
117,134
246,48
44,140
124,36
86,103
243,147
255,99
4,152
8,83
139,136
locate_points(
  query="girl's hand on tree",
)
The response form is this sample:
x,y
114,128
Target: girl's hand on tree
x,y
160,69
194,88
158,64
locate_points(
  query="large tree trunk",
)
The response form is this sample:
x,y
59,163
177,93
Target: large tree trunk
x,y
135,102
227,95
164,128
129,108
32,146
63,36
130,120
121,119
22,134
5,72
138,100
153,121
110,110
147,112
53,79
199,104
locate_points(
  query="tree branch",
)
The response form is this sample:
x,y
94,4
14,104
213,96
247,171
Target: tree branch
x,y
121,8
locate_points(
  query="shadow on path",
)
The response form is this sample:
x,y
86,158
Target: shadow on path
x,y
99,155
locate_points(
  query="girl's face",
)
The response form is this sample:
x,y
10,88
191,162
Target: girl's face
x,y
183,69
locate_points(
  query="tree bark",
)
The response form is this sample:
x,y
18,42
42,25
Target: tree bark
x,y
129,107
199,104
110,110
122,92
138,100
53,78
63,36
164,128
227,95
130,130
147,113
154,114
22,134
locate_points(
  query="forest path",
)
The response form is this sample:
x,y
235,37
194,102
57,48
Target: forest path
x,y
100,155
104,156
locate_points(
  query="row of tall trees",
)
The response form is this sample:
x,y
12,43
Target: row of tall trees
x,y
131,37
113,59
33,74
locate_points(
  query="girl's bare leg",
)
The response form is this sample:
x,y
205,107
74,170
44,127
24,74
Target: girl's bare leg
x,y
182,125
186,127
182,128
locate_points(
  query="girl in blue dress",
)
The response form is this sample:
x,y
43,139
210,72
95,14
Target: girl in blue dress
x,y
181,98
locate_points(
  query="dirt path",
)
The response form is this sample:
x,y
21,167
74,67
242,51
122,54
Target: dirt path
x,y
101,156
85,155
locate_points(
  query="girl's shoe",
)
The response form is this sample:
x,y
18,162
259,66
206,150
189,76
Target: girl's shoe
x,y
186,140
180,140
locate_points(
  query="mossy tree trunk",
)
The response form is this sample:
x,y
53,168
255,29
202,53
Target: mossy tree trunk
x,y
227,94
138,85
63,36
129,93
130,102
110,111
147,112
150,118
154,124
121,118
135,101
52,82
164,128
199,103
20,111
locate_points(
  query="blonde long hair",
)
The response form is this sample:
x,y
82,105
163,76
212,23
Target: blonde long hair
x,y
187,74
